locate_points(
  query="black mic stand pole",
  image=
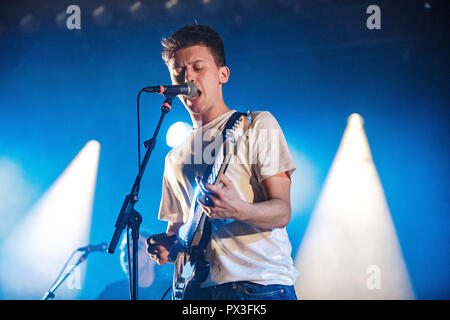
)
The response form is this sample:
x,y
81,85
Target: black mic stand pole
x,y
130,217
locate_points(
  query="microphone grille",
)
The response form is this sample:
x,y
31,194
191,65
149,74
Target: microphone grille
x,y
192,89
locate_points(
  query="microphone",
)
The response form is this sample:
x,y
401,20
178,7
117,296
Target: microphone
x,y
94,247
188,89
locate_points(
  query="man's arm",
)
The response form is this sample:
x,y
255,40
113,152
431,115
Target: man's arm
x,y
274,212
173,227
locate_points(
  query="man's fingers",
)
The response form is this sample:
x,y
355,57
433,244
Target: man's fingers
x,y
214,190
207,188
160,261
152,244
159,246
156,248
161,258
153,239
153,249
225,180
206,201
161,239
205,208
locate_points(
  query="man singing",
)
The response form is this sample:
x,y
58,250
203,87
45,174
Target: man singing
x,y
249,251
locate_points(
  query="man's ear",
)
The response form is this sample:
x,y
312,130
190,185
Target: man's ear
x,y
224,74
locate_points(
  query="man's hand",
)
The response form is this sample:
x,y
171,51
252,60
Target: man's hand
x,y
160,245
224,202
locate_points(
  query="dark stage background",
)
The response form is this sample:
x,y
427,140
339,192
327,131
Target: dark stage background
x,y
310,63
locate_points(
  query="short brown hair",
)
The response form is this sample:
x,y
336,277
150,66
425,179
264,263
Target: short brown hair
x,y
191,35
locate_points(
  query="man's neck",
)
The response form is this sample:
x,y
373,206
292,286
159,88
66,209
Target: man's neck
x,y
201,119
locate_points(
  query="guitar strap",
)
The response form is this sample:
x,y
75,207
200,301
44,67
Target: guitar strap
x,y
206,222
231,120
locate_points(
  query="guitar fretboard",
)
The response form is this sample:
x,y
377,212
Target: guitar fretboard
x,y
187,231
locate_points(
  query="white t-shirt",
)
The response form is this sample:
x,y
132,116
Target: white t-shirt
x,y
238,251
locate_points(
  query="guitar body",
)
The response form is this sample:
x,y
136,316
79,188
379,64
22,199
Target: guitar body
x,y
191,267
192,270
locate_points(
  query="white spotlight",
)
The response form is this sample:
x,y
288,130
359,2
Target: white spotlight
x,y
350,249
178,133
38,247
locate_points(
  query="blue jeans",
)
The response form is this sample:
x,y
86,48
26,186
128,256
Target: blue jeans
x,y
245,290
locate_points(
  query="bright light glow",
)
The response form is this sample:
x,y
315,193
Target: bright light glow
x,y
304,183
350,249
16,195
178,133
98,11
38,247
169,4
212,6
135,6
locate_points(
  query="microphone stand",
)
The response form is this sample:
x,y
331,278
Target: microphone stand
x,y
128,216
51,292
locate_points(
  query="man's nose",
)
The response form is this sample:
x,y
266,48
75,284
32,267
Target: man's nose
x,y
189,75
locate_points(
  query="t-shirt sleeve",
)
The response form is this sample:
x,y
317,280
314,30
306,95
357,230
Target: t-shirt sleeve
x,y
268,148
170,208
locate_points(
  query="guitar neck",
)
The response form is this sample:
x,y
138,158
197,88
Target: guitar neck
x,y
187,232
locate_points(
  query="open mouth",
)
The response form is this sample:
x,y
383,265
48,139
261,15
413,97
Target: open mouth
x,y
199,93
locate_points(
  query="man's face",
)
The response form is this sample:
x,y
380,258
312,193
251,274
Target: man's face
x,y
197,64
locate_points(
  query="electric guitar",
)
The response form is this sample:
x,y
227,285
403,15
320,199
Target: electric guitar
x,y
188,253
